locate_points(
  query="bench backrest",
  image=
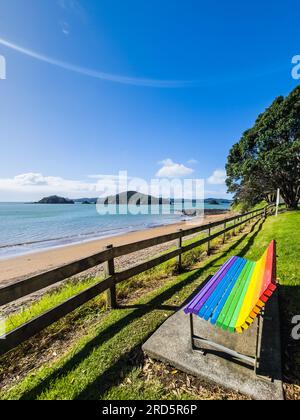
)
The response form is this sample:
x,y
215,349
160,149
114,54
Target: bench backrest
x,y
236,294
261,288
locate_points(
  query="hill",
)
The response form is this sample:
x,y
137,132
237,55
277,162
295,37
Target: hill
x,y
133,197
54,199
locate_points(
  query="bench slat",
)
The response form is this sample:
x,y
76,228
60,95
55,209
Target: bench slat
x,y
240,299
267,265
237,293
236,297
216,296
253,290
199,300
226,301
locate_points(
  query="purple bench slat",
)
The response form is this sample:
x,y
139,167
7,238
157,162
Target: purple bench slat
x,y
195,305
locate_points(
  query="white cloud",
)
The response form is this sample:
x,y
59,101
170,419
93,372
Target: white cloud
x,y
30,179
192,162
33,184
171,169
217,178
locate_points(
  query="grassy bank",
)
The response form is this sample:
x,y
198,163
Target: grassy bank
x,y
107,361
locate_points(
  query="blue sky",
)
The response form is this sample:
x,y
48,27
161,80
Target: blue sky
x,y
157,88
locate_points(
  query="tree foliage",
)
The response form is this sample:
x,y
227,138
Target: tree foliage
x,y
268,155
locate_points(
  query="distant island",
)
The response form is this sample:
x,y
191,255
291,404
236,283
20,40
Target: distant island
x,y
135,197
86,200
219,200
212,202
54,199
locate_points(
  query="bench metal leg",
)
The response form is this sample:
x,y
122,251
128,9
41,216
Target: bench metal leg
x,y
192,331
253,361
260,324
258,344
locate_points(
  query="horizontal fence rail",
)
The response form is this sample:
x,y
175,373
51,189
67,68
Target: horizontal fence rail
x,y
27,286
33,284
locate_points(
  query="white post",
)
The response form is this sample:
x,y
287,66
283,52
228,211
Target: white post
x,y
277,201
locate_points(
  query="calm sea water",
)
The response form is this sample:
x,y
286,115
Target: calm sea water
x,y
26,228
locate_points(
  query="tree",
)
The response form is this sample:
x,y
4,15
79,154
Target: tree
x,y
268,155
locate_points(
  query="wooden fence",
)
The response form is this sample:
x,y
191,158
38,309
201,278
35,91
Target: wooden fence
x,y
30,285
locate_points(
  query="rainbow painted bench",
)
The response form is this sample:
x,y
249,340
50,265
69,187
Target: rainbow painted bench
x,y
235,296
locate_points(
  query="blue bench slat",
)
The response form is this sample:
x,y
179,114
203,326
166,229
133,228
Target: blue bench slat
x,y
223,301
216,296
200,299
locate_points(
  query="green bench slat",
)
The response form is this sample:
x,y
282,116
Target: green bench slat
x,y
235,297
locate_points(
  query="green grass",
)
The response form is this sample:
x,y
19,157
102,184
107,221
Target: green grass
x,y
243,208
106,362
48,301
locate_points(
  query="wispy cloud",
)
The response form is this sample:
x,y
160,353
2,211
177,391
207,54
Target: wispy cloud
x,y
68,4
65,28
192,162
171,84
171,169
73,7
217,178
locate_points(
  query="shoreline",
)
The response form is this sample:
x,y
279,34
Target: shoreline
x,y
70,241
20,249
16,268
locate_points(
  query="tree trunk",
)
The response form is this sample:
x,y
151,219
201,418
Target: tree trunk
x,y
293,205
291,198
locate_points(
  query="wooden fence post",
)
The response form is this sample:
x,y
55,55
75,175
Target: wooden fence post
x,y
179,246
265,213
208,243
224,236
109,268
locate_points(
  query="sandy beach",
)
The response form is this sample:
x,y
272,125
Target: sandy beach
x,y
15,269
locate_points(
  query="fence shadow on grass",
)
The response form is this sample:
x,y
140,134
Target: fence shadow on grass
x,y
112,375
106,335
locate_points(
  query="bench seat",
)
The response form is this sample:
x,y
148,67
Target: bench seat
x,y
237,293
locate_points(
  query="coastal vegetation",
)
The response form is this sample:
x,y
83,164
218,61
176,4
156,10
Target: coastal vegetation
x,y
268,156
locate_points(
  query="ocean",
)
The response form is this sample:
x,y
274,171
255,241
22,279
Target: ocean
x,y
27,228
